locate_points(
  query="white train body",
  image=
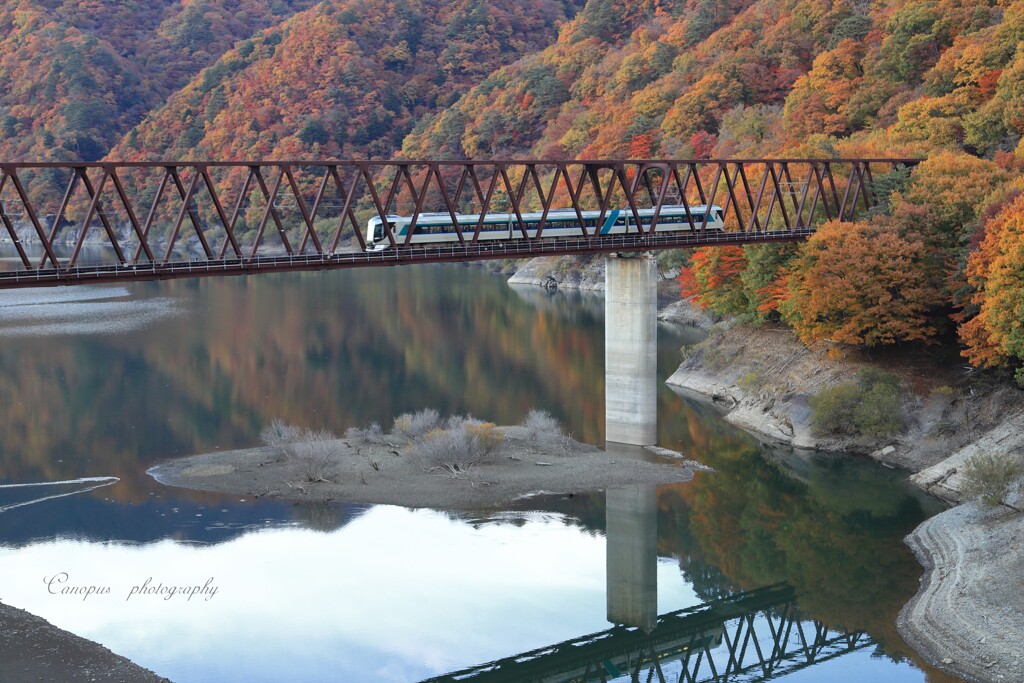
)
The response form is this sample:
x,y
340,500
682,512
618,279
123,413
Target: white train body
x,y
432,228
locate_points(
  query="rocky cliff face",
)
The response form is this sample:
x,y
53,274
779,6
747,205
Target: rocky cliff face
x,y
562,272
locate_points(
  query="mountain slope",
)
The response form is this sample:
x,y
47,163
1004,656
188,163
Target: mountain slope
x,y
750,77
75,76
942,79
346,78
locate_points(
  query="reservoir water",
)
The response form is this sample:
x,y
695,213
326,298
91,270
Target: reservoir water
x,y
103,382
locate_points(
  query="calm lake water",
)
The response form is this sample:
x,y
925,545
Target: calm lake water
x,y
107,381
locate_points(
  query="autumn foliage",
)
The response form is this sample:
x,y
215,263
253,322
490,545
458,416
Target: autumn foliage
x,y
996,271
713,279
345,79
941,80
76,75
858,283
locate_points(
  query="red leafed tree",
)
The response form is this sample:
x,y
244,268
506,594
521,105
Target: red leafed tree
x,y
703,144
712,279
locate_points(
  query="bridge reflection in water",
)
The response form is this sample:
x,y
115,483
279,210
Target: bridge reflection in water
x,y
752,636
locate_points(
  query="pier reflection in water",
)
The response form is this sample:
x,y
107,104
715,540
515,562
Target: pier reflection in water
x,y
631,533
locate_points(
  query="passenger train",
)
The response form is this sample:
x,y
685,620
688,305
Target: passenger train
x,y
438,227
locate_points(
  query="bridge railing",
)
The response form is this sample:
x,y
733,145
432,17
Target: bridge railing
x,y
163,212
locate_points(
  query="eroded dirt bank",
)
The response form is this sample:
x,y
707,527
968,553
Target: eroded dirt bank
x,y
968,616
763,378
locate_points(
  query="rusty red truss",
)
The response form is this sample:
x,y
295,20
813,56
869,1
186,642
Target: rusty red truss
x,y
89,222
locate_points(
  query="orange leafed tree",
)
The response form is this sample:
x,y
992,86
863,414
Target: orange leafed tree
x,y
996,272
860,284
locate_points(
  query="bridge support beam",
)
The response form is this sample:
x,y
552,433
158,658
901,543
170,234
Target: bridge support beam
x,y
631,350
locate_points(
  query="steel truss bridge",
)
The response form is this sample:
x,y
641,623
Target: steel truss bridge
x,y
74,223
754,636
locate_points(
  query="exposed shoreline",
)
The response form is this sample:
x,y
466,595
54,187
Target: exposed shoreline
x,y
968,616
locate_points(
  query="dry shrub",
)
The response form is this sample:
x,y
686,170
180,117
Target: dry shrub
x,y
542,430
988,477
278,434
414,425
459,445
486,436
315,454
311,450
372,433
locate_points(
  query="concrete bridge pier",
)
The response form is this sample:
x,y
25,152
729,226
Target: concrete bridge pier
x,y
631,350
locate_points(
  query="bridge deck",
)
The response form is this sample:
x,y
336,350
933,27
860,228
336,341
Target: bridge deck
x,y
103,273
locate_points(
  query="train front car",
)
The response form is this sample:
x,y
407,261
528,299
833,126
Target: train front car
x,y
376,235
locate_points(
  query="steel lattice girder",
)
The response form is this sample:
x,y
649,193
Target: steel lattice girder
x,y
61,208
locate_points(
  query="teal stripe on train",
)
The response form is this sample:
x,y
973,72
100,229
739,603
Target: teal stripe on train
x,y
612,217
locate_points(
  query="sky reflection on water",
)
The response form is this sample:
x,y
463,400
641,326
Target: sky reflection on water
x,y
394,595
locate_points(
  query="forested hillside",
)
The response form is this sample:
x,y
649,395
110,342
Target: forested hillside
x,y
75,75
348,78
